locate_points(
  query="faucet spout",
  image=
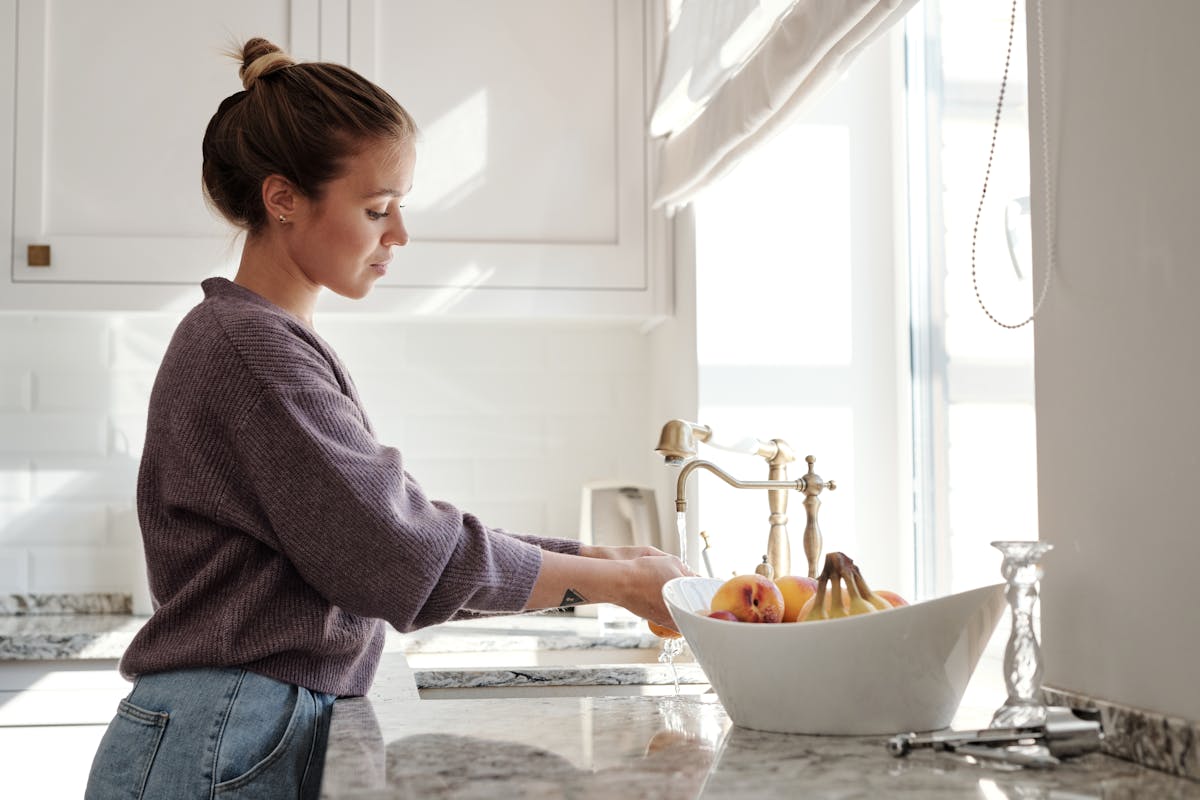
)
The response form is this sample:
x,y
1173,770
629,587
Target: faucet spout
x,y
798,485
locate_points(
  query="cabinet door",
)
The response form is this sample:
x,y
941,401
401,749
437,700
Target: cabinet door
x,y
111,104
530,193
531,162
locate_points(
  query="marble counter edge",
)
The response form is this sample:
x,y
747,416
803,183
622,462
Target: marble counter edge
x,y
45,636
582,675
1159,741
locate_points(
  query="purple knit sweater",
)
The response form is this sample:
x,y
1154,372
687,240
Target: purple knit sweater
x,y
278,532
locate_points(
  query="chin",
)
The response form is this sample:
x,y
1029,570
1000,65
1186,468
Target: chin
x,y
353,292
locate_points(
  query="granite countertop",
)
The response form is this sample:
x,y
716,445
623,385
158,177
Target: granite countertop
x,y
513,652
514,734
390,744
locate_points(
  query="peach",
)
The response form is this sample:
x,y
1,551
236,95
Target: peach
x,y
725,615
750,598
662,630
799,594
893,599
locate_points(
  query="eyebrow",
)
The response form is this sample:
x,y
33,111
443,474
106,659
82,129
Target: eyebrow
x,y
385,193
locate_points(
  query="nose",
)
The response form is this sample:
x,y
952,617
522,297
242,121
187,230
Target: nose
x,y
397,232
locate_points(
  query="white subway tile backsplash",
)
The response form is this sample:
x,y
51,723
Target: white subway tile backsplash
x,y
100,569
512,479
74,480
72,390
16,389
456,347
129,390
605,349
123,529
15,479
420,391
449,479
492,392
364,343
138,341
15,334
432,436
505,420
14,570
127,434
548,392
62,340
78,433
515,516
52,523
562,519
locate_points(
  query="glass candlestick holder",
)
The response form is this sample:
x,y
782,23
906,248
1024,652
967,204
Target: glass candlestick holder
x,y
1022,657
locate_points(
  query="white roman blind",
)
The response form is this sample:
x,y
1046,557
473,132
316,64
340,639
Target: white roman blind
x,y
735,70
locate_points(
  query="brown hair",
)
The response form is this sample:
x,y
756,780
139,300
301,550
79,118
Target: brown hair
x,y
298,120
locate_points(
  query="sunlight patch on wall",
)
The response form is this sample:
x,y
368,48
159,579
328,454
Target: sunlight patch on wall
x,y
462,284
452,155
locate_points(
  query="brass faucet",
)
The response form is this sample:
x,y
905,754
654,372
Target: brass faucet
x,y
678,445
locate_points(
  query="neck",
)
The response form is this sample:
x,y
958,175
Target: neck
x,y
268,272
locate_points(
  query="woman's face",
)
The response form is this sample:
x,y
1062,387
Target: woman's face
x,y
344,239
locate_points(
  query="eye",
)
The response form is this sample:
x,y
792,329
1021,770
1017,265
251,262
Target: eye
x,y
375,216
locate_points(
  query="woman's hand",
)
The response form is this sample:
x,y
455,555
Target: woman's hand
x,y
618,553
631,577
643,593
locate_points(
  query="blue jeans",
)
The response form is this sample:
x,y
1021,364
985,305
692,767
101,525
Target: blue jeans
x,y
213,733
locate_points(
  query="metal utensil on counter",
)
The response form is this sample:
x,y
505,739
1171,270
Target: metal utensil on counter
x,y
708,567
1066,733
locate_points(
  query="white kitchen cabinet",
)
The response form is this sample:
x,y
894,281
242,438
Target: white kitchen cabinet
x,y
531,186
52,716
111,101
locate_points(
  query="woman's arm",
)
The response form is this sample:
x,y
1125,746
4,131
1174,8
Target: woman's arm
x,y
633,583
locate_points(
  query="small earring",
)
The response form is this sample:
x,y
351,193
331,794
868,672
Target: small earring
x,y
283,219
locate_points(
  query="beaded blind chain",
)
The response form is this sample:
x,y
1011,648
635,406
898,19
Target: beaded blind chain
x,y
1041,45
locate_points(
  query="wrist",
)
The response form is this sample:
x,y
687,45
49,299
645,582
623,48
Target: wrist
x,y
622,582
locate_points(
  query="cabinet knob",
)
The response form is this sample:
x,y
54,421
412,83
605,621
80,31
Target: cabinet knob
x,y
38,255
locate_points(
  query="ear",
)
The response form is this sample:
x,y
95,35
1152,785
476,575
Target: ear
x,y
279,196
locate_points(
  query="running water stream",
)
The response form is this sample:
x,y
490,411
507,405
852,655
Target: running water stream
x,y
681,529
673,647
670,649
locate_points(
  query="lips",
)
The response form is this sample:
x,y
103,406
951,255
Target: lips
x,y
381,267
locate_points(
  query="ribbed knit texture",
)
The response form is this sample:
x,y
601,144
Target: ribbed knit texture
x,y
279,533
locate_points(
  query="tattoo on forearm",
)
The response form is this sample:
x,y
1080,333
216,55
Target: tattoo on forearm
x,y
572,598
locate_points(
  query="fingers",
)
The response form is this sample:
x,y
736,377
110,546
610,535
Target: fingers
x,y
618,553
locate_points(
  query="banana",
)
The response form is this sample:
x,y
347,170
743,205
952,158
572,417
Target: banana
x,y
867,593
858,598
858,604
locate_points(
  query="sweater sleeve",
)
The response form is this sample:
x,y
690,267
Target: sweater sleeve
x,y
358,528
552,543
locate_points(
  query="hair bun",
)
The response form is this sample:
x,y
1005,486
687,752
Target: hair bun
x,y
260,58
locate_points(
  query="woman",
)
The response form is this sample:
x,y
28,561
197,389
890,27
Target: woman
x,y
279,534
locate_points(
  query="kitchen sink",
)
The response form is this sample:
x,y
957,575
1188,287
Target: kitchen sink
x,y
543,690
539,658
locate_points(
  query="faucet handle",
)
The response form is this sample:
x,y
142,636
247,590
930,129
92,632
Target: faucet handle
x,y
814,483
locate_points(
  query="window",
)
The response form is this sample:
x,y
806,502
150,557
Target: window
x,y
974,430
835,310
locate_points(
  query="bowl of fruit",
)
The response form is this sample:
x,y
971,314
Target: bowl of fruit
x,y
830,656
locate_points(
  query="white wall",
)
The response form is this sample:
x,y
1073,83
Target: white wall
x,y
1118,371
675,382
504,419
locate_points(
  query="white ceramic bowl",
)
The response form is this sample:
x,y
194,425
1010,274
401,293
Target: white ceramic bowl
x,y
889,672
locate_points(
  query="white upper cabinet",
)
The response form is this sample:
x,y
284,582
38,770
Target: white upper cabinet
x,y
530,192
111,102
